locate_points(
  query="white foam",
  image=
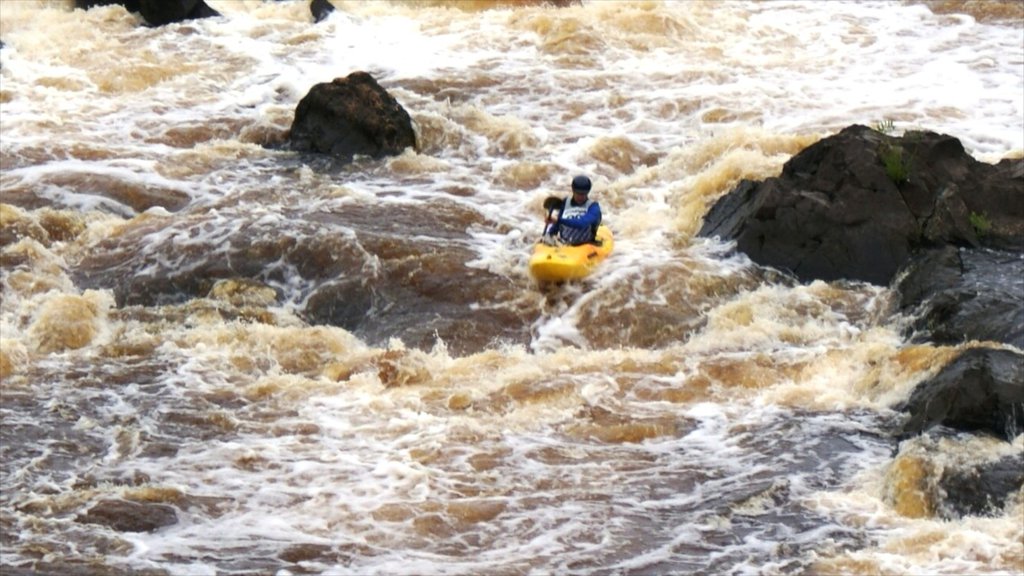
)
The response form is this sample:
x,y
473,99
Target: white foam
x,y
523,99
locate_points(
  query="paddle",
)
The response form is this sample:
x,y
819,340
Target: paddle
x,y
552,206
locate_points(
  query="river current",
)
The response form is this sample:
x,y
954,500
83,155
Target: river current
x,y
323,368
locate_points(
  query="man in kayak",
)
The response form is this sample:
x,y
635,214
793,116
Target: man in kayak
x,y
577,221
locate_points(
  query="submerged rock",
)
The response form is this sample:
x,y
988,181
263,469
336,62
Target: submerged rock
x,y
393,274
126,516
351,116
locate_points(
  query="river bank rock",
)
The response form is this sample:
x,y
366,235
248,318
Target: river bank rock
x,y
351,116
981,390
857,205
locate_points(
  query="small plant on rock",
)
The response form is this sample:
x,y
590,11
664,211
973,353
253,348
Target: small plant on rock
x,y
981,223
894,158
896,162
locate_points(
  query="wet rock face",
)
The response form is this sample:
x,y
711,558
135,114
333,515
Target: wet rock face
x,y
857,205
126,516
351,116
981,390
983,490
958,295
918,487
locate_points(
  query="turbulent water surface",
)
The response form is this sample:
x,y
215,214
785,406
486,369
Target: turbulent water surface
x,y
276,363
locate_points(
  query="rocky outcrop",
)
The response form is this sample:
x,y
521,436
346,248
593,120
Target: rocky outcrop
x,y
981,390
158,12
859,204
919,214
351,116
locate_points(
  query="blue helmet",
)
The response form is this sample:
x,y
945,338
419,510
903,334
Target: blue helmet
x,y
581,184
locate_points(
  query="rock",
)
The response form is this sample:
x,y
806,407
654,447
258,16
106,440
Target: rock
x,y
392,276
859,204
320,9
981,390
958,295
920,484
157,12
125,516
162,12
983,490
129,5
350,116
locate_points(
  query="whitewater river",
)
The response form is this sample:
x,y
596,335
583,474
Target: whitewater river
x,y
296,366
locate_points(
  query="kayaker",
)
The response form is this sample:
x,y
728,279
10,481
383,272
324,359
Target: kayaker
x,y
577,221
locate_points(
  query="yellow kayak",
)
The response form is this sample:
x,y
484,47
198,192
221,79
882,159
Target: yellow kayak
x,y
560,263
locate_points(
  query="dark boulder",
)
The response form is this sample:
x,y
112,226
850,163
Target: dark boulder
x,y
129,5
126,516
982,490
158,12
960,294
161,12
320,9
981,390
859,204
351,116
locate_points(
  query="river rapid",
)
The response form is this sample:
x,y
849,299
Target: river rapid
x,y
323,368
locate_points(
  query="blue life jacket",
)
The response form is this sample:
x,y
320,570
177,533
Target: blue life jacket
x,y
576,224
